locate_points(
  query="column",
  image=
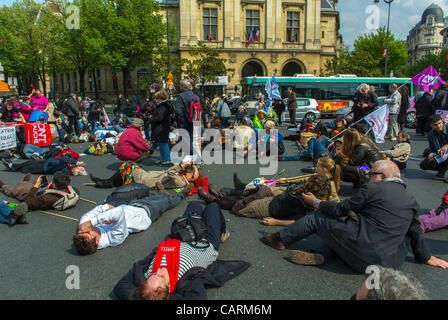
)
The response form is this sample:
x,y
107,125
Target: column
x,y
278,23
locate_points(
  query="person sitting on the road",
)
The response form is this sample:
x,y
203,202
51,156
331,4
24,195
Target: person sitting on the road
x,y
392,285
132,145
67,165
316,149
242,133
183,270
338,127
109,225
436,218
175,177
13,215
438,146
266,138
357,152
58,194
401,151
376,234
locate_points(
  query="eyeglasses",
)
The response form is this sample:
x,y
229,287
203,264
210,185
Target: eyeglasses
x,y
371,173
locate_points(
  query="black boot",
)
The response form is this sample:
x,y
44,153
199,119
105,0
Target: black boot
x,y
226,204
237,183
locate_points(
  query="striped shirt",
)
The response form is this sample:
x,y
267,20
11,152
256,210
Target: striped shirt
x,y
189,257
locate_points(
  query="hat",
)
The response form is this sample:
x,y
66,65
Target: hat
x,y
61,180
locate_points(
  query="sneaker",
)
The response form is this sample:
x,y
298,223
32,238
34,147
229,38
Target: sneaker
x,y
166,163
306,258
158,161
225,236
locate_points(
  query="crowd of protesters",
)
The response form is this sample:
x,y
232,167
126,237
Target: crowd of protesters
x,y
359,228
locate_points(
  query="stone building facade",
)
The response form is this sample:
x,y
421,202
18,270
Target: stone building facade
x,y
427,37
294,36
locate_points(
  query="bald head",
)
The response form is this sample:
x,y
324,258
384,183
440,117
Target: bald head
x,y
388,169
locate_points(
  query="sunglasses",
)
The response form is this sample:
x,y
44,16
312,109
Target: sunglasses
x,y
371,173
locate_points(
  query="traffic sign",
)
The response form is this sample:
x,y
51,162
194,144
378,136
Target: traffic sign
x,y
170,76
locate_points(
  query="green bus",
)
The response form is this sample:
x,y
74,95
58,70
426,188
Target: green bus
x,y
331,93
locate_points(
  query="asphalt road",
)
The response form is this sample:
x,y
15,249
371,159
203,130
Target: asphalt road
x,y
35,257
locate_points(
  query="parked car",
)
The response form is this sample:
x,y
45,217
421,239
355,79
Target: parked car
x,y
306,107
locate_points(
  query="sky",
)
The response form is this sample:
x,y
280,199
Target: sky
x,y
404,15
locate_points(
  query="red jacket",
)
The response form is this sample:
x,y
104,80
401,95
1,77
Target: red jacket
x,y
63,153
131,144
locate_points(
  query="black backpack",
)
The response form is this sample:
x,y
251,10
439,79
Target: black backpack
x,y
190,229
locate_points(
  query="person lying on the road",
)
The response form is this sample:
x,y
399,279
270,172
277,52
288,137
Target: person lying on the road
x,y
438,147
401,151
182,270
13,216
393,285
227,198
109,225
385,218
65,164
281,208
57,195
177,176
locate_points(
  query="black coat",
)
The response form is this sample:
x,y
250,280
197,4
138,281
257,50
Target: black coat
x,y
72,107
160,123
388,221
364,153
423,106
359,99
192,284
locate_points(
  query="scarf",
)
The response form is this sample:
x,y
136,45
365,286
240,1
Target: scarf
x,y
171,250
126,170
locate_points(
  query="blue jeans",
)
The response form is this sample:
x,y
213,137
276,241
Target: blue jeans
x,y
315,148
212,215
29,149
164,149
5,210
159,203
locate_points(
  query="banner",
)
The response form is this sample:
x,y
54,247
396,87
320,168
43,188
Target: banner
x,y
378,120
38,134
443,114
8,137
428,79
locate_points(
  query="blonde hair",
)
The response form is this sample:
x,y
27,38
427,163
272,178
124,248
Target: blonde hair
x,y
333,168
268,124
161,95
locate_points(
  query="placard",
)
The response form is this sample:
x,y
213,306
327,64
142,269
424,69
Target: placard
x,y
8,138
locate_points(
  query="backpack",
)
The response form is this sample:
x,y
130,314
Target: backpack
x,y
190,229
194,112
65,108
67,201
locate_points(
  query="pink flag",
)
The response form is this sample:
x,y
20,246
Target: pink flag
x,y
428,79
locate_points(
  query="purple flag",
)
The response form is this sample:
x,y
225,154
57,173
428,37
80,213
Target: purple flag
x,y
428,79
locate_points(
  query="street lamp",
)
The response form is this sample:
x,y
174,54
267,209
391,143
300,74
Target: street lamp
x,y
387,36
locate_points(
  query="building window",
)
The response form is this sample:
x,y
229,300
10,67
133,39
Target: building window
x,y
252,21
210,23
98,79
323,34
292,26
90,81
62,83
429,21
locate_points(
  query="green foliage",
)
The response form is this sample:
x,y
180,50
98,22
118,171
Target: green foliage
x,y
206,64
438,61
367,58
